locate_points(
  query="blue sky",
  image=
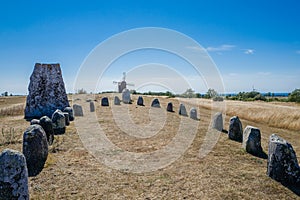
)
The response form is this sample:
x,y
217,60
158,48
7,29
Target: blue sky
x,y
253,43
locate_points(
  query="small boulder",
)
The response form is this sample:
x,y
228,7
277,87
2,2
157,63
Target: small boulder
x,y
217,122
104,101
77,109
282,161
252,141
182,110
117,101
58,122
70,111
46,124
126,96
92,106
13,175
35,149
67,118
193,113
140,101
155,103
235,129
170,107
34,121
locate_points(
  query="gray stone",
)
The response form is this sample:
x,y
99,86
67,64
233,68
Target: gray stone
x,y
104,101
13,175
140,101
117,101
182,110
58,122
170,107
155,103
77,109
126,96
67,118
235,131
70,111
217,122
46,91
282,161
252,141
34,121
35,149
193,113
46,124
92,106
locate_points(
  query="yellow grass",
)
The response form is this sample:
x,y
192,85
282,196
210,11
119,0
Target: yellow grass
x,y
227,172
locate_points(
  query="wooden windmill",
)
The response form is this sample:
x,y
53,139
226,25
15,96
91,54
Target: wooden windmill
x,y
122,84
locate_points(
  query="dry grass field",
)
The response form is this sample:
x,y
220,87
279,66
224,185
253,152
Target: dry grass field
x,y
227,172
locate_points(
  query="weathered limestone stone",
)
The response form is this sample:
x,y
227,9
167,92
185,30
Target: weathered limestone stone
x,y
170,107
193,113
58,122
46,124
282,161
46,91
104,101
67,118
70,111
252,141
140,101
34,121
35,149
117,101
235,129
126,96
77,109
182,110
155,103
13,175
217,122
92,106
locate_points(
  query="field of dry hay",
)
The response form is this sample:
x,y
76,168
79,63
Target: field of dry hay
x,y
227,172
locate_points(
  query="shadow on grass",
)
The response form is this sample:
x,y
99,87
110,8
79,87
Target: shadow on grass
x,y
294,188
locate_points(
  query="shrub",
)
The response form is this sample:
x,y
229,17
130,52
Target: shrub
x,y
295,96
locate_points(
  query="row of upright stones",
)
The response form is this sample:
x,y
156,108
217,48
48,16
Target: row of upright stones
x,y
140,102
282,164
48,110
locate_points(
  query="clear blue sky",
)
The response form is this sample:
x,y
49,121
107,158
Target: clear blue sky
x,y
252,42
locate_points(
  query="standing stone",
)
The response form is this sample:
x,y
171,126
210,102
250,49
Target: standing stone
x,y
235,129
170,107
58,122
67,118
35,149
34,121
77,109
13,175
117,101
193,113
126,96
92,106
46,124
140,101
155,103
104,101
46,91
70,111
217,122
252,141
182,110
282,161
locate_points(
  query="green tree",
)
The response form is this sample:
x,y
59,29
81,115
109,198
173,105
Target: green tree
x,y
189,93
211,93
295,96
